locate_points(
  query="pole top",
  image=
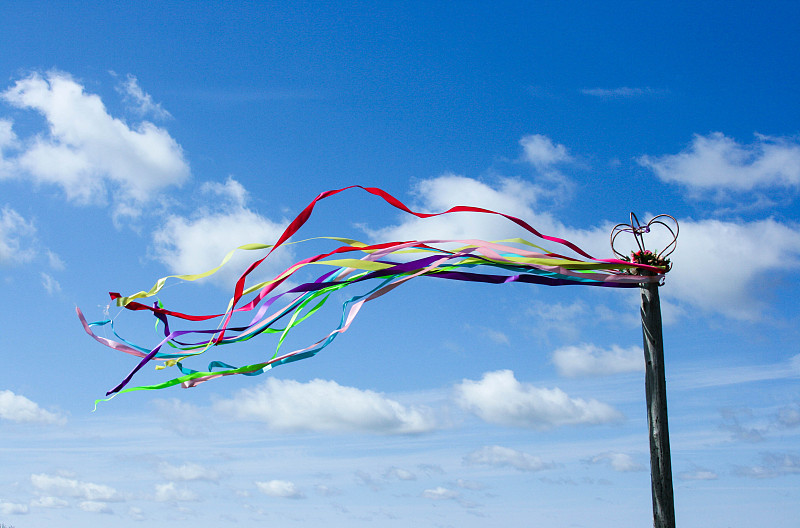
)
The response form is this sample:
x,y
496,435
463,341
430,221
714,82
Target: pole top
x,y
638,230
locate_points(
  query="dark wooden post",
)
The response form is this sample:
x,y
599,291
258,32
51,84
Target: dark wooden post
x,y
656,389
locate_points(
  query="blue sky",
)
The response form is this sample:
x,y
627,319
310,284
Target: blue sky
x,y
139,142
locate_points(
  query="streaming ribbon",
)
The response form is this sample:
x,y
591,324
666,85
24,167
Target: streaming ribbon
x,y
389,264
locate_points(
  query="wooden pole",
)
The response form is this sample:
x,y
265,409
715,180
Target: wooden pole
x,y
656,389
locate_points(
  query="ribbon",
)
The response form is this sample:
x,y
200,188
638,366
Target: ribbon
x,y
390,263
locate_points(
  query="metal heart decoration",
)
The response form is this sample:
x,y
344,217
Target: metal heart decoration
x,y
638,230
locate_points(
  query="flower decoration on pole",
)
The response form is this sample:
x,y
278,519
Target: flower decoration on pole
x,y
638,230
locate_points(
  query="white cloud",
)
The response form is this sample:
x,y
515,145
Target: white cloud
x,y
589,360
327,491
469,484
497,336
772,465
321,405
49,502
18,408
700,376
55,261
8,141
13,508
431,469
137,514
794,363
50,284
514,197
142,101
89,153
399,474
719,162
500,399
95,507
7,136
365,479
232,191
732,419
542,153
511,196
698,474
557,314
186,472
440,493
198,244
617,461
720,266
168,492
16,235
546,158
498,456
280,488
65,487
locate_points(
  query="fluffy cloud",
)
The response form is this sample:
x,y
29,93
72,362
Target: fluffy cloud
x,y
188,471
738,253
589,360
18,408
698,474
399,474
365,479
498,456
500,399
719,162
15,236
617,461
511,196
542,153
49,502
137,514
327,491
169,492
95,507
737,422
321,405
440,493
772,465
197,244
141,101
719,266
65,487
50,284
280,488
469,484
13,508
8,141
86,151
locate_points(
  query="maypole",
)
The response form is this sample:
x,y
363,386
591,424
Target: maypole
x,y
655,382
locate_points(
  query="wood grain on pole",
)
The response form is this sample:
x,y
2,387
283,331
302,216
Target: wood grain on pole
x,y
656,390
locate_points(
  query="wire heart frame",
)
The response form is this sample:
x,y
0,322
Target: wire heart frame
x,y
645,256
